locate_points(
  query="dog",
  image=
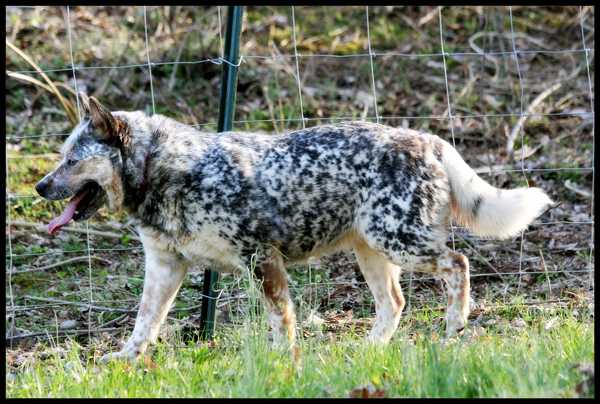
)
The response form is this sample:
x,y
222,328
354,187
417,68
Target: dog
x,y
242,200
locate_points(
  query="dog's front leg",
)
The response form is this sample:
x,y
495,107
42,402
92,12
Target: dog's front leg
x,y
164,275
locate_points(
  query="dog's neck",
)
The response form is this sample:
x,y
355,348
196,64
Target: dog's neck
x,y
139,145
134,194
136,147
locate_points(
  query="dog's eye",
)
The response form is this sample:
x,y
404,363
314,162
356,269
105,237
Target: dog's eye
x,y
71,162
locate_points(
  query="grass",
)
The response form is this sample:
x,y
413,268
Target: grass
x,y
531,361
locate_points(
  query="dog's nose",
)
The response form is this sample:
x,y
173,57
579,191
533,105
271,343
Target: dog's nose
x,y
42,187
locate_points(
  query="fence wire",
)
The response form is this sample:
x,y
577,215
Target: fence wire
x,y
87,226
589,79
522,89
216,60
477,251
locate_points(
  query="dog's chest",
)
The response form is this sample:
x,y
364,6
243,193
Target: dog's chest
x,y
207,245
203,247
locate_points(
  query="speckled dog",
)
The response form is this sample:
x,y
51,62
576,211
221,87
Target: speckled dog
x,y
386,193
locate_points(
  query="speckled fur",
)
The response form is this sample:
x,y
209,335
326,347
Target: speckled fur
x,y
243,193
230,198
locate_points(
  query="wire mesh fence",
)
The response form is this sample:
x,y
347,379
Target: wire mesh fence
x,y
515,101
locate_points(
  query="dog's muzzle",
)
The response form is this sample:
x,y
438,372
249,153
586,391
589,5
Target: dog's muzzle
x,y
42,187
47,188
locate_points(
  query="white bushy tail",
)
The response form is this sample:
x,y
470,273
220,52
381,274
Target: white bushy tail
x,y
484,209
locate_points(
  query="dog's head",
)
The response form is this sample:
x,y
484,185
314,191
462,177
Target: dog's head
x,y
91,169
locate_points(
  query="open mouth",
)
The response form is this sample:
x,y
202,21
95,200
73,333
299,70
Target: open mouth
x,y
83,205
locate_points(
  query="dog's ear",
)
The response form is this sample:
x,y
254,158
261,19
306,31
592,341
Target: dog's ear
x,y
84,102
102,119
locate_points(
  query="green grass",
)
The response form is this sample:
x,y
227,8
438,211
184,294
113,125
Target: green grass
x,y
497,362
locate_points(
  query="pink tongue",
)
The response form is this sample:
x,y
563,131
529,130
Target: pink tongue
x,y
67,215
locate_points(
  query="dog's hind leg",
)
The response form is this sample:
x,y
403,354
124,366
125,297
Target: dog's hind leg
x,y
164,275
382,276
453,268
272,277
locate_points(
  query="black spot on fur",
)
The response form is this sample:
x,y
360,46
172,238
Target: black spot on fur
x,y
476,206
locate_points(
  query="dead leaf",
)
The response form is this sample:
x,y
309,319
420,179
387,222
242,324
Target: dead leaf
x,y
149,363
368,391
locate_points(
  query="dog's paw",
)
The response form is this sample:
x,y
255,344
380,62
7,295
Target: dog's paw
x,y
123,355
376,340
453,332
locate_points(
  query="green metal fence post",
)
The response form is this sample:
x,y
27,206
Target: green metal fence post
x,y
226,111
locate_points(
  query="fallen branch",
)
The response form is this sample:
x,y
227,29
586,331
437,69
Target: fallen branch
x,y
571,186
510,143
86,305
428,17
103,308
117,320
48,335
61,263
43,229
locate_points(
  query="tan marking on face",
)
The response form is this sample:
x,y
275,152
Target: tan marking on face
x,y
100,170
116,194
